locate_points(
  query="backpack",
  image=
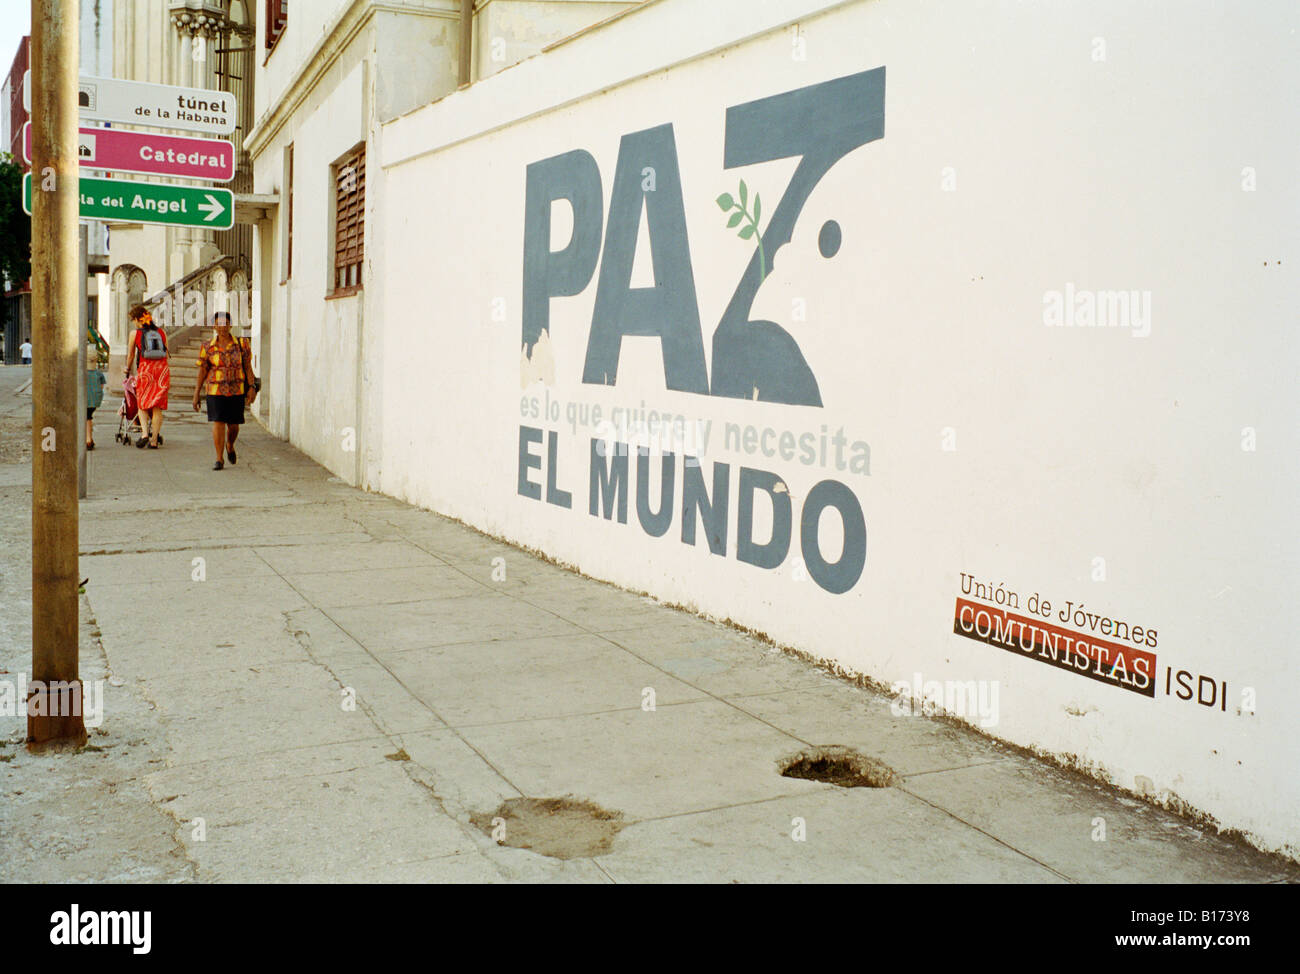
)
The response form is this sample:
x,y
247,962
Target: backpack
x,y
152,346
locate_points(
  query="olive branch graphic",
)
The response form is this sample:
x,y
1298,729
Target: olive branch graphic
x,y
750,229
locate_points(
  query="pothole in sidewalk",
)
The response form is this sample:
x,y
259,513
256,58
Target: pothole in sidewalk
x,y
841,766
563,828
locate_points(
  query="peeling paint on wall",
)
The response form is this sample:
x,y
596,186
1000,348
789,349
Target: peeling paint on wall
x,y
539,364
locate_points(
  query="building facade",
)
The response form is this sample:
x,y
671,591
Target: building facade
x,y
330,76
17,305
15,115
194,44
96,59
870,326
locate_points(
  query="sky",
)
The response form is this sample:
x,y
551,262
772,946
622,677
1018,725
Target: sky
x,y
15,21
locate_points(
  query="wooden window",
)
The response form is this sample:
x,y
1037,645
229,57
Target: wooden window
x,y
349,221
277,15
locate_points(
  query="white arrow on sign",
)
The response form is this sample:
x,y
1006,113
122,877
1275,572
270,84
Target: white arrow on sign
x,y
212,208
141,103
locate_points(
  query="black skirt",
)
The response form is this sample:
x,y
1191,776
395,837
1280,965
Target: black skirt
x,y
226,409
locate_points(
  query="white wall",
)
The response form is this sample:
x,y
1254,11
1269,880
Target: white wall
x,y
313,340
417,62
302,34
96,37
317,28
339,69
1018,158
507,31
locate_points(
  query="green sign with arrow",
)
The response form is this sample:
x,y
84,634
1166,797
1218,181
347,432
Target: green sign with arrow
x,y
128,201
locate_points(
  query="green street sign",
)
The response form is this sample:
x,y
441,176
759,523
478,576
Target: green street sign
x,y
128,201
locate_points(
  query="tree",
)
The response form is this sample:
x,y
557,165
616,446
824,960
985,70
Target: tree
x,y
15,225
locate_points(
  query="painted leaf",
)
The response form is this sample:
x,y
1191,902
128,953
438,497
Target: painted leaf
x,y
735,218
746,232
725,201
758,208
744,193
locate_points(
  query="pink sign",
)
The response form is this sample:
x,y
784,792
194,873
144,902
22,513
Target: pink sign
x,y
120,150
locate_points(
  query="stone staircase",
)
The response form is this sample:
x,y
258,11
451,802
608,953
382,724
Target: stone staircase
x,y
183,346
224,277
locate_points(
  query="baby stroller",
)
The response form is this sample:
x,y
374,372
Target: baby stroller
x,y
128,414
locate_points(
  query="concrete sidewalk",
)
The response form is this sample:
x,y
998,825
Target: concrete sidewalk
x,y
235,615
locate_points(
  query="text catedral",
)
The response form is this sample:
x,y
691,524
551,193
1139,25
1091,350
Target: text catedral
x,y
152,154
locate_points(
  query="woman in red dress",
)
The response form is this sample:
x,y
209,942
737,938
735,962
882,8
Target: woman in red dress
x,y
153,377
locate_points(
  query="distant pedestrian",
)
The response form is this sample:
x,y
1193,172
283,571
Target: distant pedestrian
x,y
95,381
148,352
25,350
226,378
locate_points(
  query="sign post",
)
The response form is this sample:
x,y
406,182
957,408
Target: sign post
x,y
83,245
54,710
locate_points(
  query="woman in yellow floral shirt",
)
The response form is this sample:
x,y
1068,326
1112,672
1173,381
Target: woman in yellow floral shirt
x,y
226,377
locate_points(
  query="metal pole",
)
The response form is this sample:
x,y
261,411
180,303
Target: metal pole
x,y
83,313
54,700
